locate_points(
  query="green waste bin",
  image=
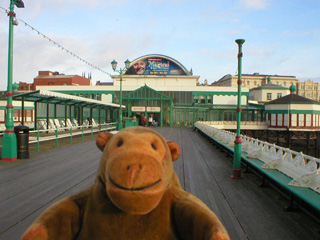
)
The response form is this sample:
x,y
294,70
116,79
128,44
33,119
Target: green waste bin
x,y
22,134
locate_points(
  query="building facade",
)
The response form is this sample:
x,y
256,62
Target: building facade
x,y
268,92
162,87
293,111
25,87
255,80
47,78
309,89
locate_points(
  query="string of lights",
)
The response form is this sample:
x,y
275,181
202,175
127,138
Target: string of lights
x,y
5,10
59,45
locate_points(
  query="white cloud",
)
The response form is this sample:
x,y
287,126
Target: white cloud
x,y
295,33
258,51
255,4
37,53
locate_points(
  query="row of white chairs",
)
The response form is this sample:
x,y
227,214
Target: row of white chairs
x,y
56,124
302,168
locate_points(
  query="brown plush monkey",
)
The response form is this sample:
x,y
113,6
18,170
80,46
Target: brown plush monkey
x,y
136,196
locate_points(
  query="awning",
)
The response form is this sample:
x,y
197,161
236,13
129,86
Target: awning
x,y
61,98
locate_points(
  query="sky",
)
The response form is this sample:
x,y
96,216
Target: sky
x,y
282,37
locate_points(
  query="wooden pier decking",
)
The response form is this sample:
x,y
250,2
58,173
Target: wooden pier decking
x,y
248,211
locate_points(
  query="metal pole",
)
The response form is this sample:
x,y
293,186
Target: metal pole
x,y
9,146
237,146
22,111
120,110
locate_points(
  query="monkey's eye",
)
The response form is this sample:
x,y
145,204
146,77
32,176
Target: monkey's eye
x,y
153,146
120,142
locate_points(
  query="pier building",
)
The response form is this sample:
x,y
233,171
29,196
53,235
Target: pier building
x,y
164,89
268,92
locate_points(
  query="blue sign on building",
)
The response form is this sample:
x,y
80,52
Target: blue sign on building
x,y
155,66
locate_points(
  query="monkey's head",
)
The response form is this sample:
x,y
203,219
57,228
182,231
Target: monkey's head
x,y
136,167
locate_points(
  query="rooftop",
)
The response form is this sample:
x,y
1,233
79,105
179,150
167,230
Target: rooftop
x,y
293,99
270,86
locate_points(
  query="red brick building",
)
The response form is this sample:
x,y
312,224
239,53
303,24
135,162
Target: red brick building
x,y
25,87
45,78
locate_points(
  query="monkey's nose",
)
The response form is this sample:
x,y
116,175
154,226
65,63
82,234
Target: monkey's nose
x,y
133,171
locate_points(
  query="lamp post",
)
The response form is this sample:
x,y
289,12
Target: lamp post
x,y
114,66
237,143
9,145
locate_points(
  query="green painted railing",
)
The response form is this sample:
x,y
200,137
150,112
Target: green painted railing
x,y
37,136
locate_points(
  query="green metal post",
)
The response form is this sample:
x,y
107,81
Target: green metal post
x,y
38,142
48,113
82,136
114,66
57,144
9,145
170,113
65,114
161,112
120,126
22,111
70,134
35,115
237,146
99,117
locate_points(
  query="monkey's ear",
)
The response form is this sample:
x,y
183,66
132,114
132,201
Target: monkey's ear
x,y
102,139
174,149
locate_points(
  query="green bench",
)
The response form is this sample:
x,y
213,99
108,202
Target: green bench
x,y
307,195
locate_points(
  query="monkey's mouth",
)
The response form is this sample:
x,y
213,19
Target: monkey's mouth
x,y
134,189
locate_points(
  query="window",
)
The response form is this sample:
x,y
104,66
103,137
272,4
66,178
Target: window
x,y
202,99
209,99
255,82
285,120
196,99
2,118
269,96
285,84
248,82
301,120
15,115
279,95
308,120
279,119
273,119
294,120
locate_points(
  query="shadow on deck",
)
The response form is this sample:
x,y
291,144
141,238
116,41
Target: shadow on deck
x,y
27,187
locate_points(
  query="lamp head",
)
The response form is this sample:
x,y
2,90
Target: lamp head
x,y
240,41
127,63
114,65
15,22
19,3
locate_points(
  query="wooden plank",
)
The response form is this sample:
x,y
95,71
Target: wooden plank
x,y
256,209
47,178
248,212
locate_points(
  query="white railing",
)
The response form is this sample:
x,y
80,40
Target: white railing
x,y
302,168
233,124
37,136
